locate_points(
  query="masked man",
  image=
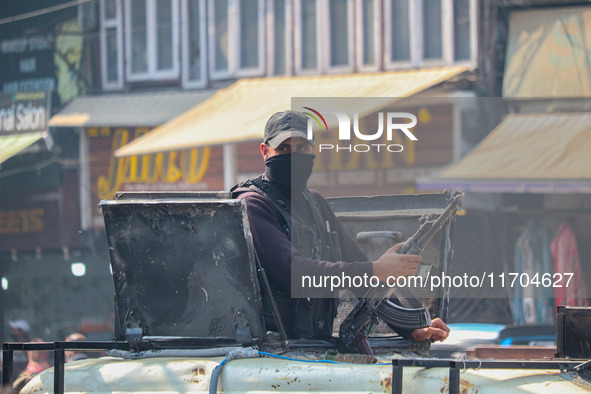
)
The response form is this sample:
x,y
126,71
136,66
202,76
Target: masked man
x,y
295,232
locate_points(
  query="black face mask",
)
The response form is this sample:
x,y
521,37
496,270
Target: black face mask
x,y
289,172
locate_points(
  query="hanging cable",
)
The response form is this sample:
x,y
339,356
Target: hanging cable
x,y
42,11
249,352
253,352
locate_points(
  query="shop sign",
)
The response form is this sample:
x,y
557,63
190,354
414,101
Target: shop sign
x,y
24,112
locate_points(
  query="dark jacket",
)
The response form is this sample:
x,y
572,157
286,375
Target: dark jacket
x,y
280,257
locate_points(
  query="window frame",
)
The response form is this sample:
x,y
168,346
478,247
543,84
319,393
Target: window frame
x,y
152,74
473,32
186,82
325,34
416,37
297,25
107,24
377,33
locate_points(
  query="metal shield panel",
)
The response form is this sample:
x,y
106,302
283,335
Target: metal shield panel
x,y
183,267
378,223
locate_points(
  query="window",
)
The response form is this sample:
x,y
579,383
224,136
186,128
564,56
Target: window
x,y
279,37
399,17
152,39
339,31
220,39
111,45
249,34
462,30
164,31
235,38
249,43
368,14
307,36
432,29
422,33
139,37
193,49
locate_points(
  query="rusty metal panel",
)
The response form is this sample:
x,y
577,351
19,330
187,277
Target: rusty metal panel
x,y
265,375
168,195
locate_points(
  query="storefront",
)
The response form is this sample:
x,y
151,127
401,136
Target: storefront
x,y
529,197
528,181
106,123
40,239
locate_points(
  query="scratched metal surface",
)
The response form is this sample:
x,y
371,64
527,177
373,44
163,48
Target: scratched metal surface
x,y
183,267
401,213
265,375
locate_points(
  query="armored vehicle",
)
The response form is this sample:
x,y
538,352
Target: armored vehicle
x,y
189,298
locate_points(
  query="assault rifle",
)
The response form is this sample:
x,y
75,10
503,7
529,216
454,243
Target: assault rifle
x,y
375,303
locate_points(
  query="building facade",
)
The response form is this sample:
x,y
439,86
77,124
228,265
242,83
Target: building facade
x,y
117,69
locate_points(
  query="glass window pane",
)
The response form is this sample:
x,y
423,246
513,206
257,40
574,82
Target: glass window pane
x,y
164,42
308,21
194,40
432,37
110,9
221,34
279,37
139,47
461,30
111,55
249,35
368,26
400,49
339,27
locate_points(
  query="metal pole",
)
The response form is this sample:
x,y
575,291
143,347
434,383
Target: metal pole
x,y
454,380
396,377
454,377
7,366
230,166
58,369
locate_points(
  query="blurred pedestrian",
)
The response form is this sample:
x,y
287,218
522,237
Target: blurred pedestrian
x,y
19,332
75,355
38,362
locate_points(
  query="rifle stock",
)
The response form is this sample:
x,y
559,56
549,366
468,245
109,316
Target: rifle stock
x,y
375,302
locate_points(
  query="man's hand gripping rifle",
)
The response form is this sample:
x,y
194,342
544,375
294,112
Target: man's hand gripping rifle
x,y
376,302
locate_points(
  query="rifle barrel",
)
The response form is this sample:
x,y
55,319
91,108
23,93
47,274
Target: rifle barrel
x,y
367,308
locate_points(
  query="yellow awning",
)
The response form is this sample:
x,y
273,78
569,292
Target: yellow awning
x,y
12,144
537,153
540,146
239,112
